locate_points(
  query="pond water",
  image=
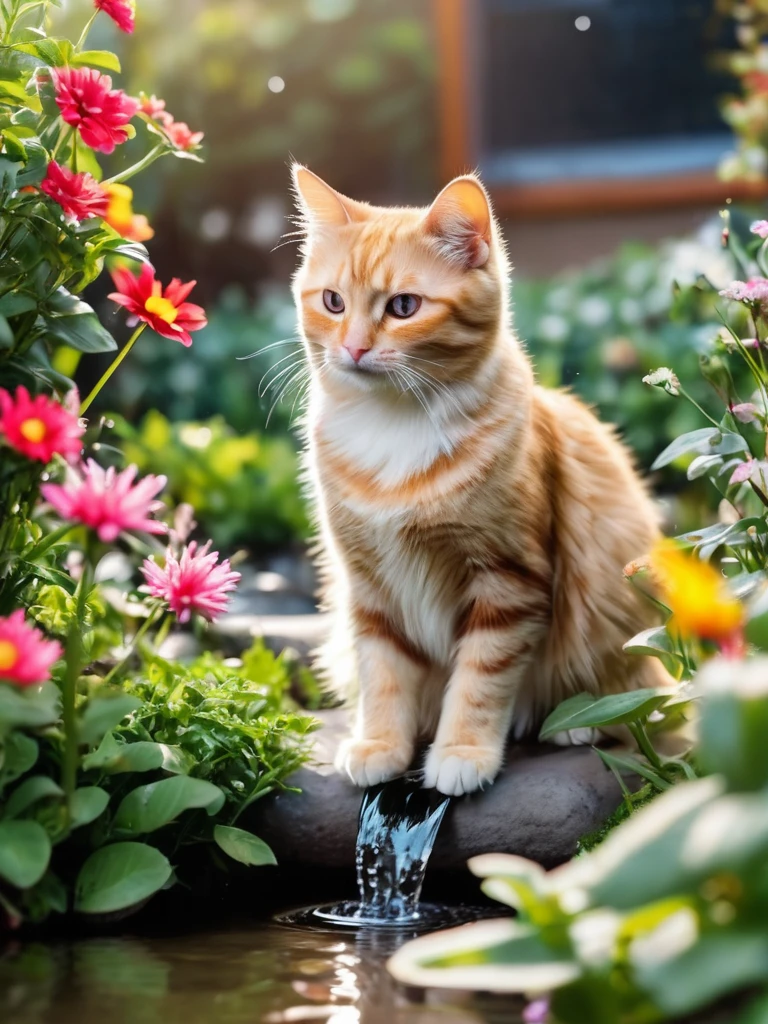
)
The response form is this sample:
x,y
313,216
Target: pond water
x,y
259,973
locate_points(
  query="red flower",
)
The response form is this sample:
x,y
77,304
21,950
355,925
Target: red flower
x,y
108,502
79,195
182,136
165,310
39,427
88,102
192,583
25,655
120,11
152,107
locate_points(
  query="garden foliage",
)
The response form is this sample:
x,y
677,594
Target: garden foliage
x,y
113,760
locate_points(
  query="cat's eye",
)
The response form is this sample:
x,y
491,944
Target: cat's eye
x,y
333,301
403,306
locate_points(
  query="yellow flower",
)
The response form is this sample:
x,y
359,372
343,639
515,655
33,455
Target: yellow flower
x,y
121,217
696,593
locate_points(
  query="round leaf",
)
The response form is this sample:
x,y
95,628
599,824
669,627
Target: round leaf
x,y
120,876
35,788
150,807
25,851
88,803
243,846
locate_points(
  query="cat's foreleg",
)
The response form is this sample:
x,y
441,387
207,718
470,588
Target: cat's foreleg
x,y
390,671
493,656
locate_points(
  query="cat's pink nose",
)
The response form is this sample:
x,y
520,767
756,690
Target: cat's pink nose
x,y
357,352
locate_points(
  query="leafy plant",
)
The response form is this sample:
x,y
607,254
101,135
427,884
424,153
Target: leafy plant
x,y
244,489
106,776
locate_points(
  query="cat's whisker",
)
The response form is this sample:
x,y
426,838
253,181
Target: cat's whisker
x,y
268,348
274,379
291,355
286,386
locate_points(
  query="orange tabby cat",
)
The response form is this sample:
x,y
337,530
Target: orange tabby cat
x,y
475,525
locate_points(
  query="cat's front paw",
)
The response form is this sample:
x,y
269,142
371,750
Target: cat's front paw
x,y
369,762
455,770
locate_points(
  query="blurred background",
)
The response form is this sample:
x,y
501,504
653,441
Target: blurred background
x,y
610,133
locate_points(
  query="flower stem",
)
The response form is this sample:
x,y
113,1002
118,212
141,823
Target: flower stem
x,y
645,745
111,368
150,620
137,168
74,150
74,662
86,30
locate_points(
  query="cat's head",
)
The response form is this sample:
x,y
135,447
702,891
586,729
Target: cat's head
x,y
395,297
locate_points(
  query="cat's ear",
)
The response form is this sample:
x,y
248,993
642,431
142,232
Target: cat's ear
x,y
460,219
321,203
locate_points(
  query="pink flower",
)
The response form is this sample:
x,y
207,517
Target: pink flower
x,y
25,655
152,107
79,195
182,136
120,11
754,291
107,501
166,311
759,227
745,412
536,1012
193,583
752,469
39,427
88,102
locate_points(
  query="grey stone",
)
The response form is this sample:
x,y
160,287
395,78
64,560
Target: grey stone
x,y
544,801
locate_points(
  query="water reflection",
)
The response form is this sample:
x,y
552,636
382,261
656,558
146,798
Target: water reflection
x,y
264,974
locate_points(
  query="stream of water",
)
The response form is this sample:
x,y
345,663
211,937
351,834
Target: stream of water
x,y
399,822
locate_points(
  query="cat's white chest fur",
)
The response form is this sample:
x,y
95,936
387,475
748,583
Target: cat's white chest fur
x,y
395,442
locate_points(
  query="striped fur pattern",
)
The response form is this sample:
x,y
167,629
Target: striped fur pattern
x,y
474,525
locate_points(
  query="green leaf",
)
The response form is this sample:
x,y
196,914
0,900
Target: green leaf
x,y
716,965
243,846
14,303
120,876
150,807
19,754
37,787
642,861
706,441
732,736
14,147
115,757
32,707
97,58
629,764
82,331
102,713
653,641
88,803
25,851
584,710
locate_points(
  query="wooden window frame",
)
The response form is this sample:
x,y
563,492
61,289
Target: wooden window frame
x,y
455,32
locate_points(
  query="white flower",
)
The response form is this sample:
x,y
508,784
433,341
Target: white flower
x,y
663,378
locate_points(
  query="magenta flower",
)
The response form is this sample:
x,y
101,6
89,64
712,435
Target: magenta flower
x,y
107,501
79,195
760,228
25,655
120,11
39,427
192,583
88,102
